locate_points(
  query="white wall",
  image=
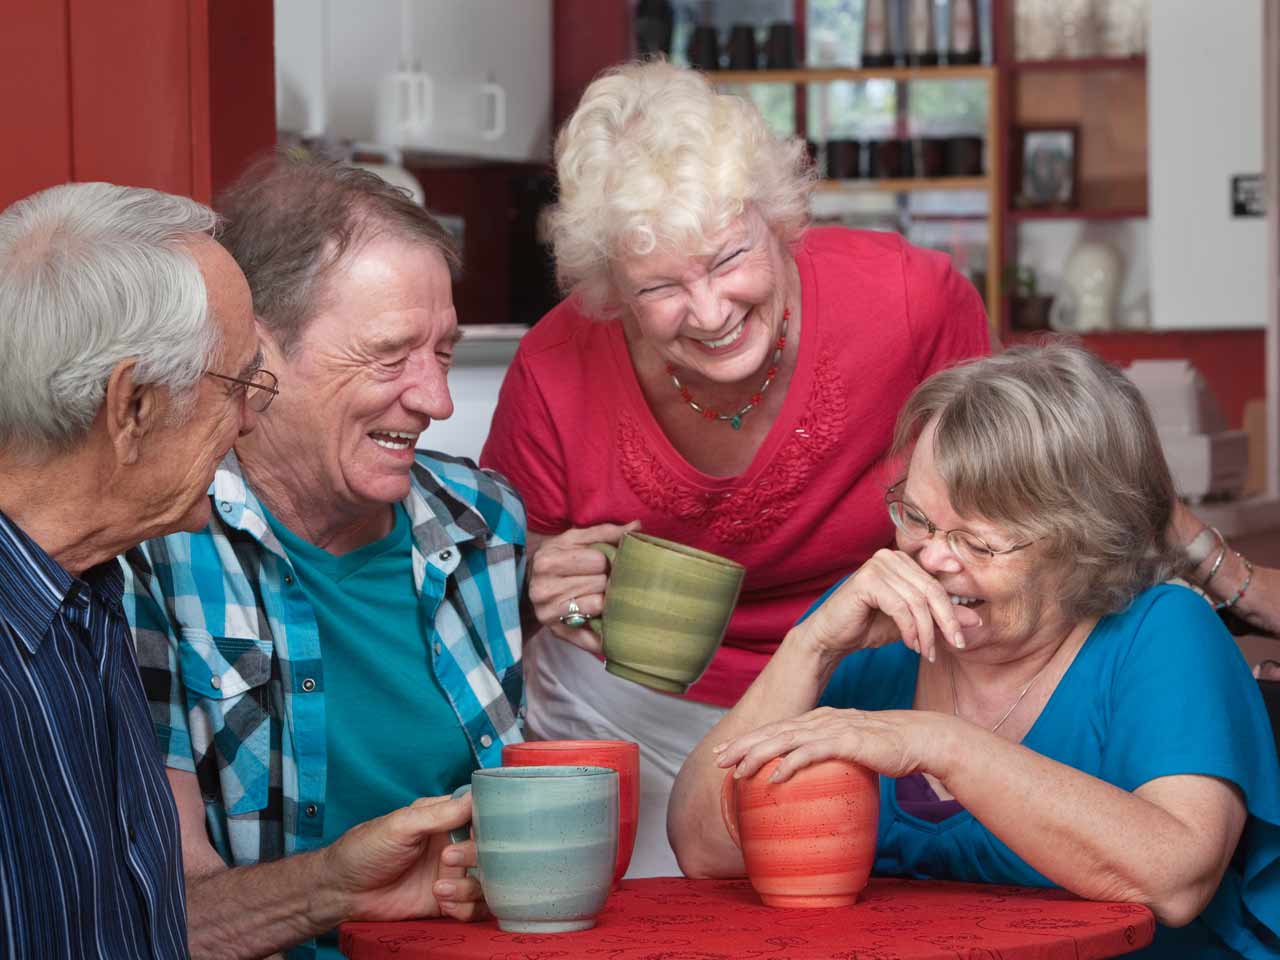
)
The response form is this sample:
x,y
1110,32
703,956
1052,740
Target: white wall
x,y
1204,75
480,363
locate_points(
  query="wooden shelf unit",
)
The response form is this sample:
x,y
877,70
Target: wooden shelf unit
x,y
992,182
1061,65
1020,215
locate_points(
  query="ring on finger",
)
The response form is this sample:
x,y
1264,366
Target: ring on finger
x,y
573,615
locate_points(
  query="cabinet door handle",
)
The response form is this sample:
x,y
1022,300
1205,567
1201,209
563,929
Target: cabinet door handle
x,y
499,125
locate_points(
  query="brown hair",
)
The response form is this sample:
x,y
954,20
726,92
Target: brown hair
x,y
290,219
1051,442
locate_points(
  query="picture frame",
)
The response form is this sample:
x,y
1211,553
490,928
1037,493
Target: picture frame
x,y
1048,171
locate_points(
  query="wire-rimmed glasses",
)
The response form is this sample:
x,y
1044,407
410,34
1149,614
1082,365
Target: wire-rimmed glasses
x,y
968,547
258,392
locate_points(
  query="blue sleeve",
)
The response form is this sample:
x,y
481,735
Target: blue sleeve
x,y
1184,702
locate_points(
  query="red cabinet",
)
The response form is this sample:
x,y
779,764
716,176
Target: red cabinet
x,y
172,94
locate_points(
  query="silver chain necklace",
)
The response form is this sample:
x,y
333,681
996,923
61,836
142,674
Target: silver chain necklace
x,y
955,703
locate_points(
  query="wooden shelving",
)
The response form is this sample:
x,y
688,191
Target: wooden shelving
x,y
851,75
1079,64
904,184
1096,213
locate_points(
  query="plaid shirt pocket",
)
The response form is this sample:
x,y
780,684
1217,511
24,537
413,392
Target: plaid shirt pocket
x,y
228,694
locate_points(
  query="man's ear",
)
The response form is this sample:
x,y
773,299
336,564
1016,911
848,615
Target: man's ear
x,y
133,410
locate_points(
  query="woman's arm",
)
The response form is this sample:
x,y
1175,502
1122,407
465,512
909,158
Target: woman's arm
x,y
1165,845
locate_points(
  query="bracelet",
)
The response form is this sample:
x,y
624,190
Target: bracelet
x,y
1248,579
1214,569
1200,547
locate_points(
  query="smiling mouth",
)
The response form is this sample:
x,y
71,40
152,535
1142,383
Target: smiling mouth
x,y
393,439
970,602
730,338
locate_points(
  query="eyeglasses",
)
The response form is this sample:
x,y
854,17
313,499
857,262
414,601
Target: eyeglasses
x,y
257,392
968,547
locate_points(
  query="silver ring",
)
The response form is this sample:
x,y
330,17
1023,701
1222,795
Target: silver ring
x,y
573,617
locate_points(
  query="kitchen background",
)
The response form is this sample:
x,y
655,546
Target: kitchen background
x,y
1106,166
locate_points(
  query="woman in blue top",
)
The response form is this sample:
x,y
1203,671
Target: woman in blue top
x,y
1054,714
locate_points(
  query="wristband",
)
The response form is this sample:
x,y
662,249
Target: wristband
x,y
1248,579
1200,547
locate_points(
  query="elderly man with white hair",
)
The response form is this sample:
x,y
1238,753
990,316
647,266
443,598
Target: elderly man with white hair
x,y
129,364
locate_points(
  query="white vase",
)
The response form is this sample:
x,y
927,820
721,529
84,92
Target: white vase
x,y
1090,289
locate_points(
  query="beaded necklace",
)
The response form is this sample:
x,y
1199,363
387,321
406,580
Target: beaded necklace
x,y
735,419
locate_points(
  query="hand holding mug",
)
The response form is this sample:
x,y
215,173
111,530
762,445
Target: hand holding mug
x,y
567,581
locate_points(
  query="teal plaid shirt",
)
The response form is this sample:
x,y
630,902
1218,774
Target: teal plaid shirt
x,y
230,655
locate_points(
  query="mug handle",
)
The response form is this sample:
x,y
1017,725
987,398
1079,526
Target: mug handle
x,y
610,553
463,833
729,809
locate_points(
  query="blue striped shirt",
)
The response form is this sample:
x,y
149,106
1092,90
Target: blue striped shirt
x,y
90,861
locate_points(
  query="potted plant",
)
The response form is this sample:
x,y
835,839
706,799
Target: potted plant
x,y
1028,308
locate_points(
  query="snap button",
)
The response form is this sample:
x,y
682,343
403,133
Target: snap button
x,y
437,648
288,578
445,555
311,810
226,507
308,685
486,741
215,682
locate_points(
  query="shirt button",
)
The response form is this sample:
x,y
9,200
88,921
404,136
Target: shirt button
x,y
226,507
308,685
445,555
133,834
437,647
486,741
288,578
215,682
311,810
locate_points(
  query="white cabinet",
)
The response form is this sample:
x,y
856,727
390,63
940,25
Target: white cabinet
x,y
1204,74
459,77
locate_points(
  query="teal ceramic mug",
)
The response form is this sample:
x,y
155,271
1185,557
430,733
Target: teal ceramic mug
x,y
546,841
666,608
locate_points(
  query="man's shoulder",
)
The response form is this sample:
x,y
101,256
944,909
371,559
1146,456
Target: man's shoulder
x,y
441,477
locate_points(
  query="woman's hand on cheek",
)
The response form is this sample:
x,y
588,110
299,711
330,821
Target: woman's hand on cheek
x,y
891,742
890,597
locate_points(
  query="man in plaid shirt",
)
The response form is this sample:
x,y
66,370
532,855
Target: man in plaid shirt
x,y
340,647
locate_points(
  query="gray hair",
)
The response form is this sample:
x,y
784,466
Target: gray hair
x,y
1051,442
290,220
93,274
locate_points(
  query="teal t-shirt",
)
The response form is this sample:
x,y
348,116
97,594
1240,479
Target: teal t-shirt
x,y
1158,689
391,734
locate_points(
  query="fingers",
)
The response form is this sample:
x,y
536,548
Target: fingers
x,y
921,609
430,815
751,751
1267,670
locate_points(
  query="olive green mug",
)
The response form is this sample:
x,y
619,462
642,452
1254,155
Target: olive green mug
x,y
666,608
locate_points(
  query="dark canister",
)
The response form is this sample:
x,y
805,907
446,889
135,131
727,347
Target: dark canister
x,y
963,156
654,22
703,50
844,159
928,157
886,159
742,50
780,47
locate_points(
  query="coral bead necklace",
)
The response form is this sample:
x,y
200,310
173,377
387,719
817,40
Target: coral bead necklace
x,y
735,419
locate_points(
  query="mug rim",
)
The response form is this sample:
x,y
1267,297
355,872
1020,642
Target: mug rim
x,y
692,553
552,745
567,771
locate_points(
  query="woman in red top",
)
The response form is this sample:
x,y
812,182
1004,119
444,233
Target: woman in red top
x,y
720,375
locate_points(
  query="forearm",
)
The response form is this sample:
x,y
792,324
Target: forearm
x,y
789,685
250,912
1086,835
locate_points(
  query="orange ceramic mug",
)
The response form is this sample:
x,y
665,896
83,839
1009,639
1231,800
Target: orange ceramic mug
x,y
620,755
808,842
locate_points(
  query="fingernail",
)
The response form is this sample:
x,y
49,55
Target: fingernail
x,y
451,857
959,640
773,777
445,889
933,655
722,761
719,748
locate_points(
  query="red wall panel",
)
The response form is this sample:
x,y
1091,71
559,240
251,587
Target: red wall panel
x,y
131,93
35,129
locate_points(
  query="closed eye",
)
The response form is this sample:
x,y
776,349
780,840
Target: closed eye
x,y
731,257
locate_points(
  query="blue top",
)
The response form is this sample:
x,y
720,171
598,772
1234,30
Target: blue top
x,y
376,654
90,861
1158,689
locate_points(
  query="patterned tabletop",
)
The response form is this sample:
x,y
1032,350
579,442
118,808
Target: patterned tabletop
x,y
673,918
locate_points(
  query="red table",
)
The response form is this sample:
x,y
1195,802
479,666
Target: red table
x,y
679,919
